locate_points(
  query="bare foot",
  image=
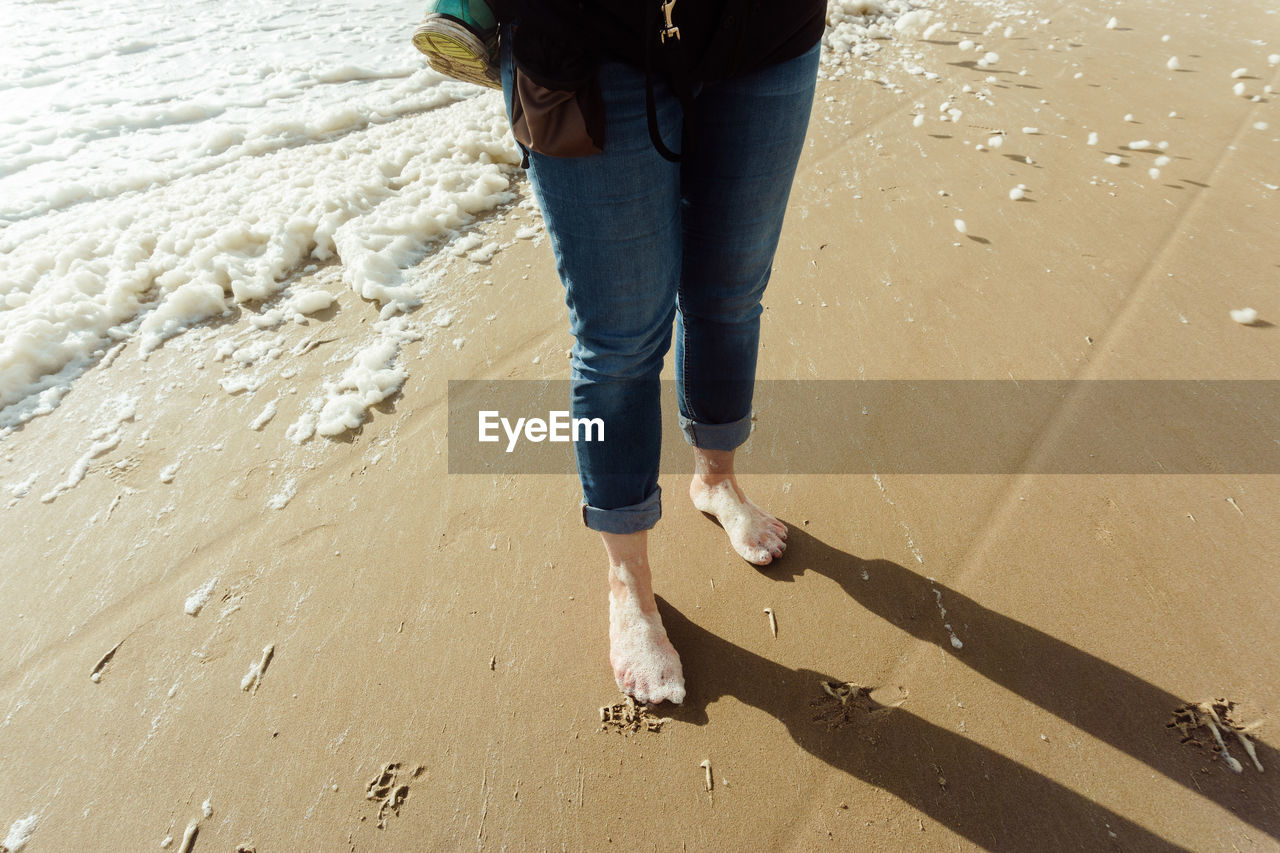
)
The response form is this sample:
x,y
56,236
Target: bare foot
x,y
758,537
645,664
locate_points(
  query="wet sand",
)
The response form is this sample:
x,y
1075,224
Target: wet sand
x,y
438,642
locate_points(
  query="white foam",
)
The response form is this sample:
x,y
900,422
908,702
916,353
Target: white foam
x,y
21,488
369,162
242,383
200,597
310,301
913,22
286,493
854,27
20,833
373,375
111,418
1245,316
933,29
264,417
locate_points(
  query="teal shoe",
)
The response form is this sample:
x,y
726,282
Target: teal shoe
x,y
460,40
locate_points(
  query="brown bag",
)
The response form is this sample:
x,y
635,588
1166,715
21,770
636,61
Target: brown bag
x,y
557,123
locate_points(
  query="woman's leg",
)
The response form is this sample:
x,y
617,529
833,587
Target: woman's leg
x,y
614,224
734,194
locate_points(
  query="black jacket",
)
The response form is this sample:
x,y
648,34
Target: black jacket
x,y
558,45
561,41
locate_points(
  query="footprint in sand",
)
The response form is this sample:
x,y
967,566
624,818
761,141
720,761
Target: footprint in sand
x,y
849,704
627,716
386,790
1215,718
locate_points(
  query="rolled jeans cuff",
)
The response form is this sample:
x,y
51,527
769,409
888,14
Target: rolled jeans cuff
x,y
728,436
627,519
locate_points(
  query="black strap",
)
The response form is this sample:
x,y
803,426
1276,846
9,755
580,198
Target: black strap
x,y
669,40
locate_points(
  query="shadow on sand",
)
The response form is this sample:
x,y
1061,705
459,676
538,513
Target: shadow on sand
x,y
988,798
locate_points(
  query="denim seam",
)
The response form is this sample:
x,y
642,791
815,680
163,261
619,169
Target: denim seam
x,y
685,405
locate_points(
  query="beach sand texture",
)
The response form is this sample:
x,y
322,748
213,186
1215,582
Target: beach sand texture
x,y
221,615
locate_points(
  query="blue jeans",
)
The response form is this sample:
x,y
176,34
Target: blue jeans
x,y
640,242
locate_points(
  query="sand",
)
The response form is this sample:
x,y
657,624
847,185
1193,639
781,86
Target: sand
x,y
1007,662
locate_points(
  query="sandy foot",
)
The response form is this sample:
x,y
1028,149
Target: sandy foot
x,y
758,537
645,663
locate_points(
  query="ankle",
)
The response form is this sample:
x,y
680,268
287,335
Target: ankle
x,y
638,595
628,552
706,480
629,576
713,466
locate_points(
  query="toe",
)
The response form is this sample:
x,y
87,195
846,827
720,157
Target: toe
x,y
773,543
625,678
671,684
